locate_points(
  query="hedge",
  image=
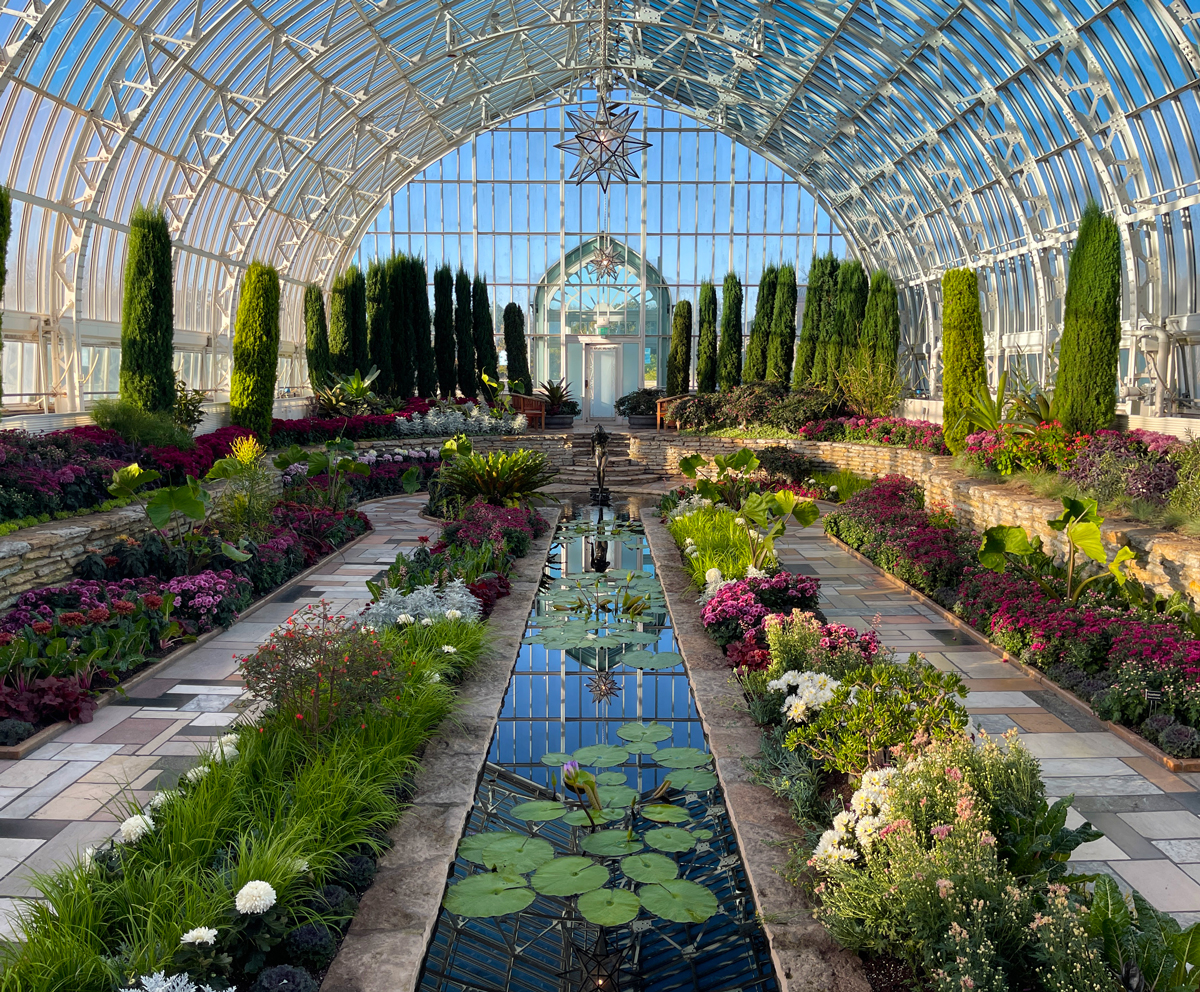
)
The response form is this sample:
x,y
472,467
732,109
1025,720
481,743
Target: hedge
x,y
879,341
818,320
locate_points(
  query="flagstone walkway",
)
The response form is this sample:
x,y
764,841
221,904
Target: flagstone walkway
x,y
1149,815
70,794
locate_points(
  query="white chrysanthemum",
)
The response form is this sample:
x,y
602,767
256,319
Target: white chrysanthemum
x,y
255,897
195,774
712,575
87,860
221,751
135,828
755,573
227,739
843,824
199,935
453,615
426,622
829,850
740,521
299,866
449,649
162,798
435,677
405,619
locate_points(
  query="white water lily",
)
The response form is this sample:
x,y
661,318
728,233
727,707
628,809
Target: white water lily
x,y
255,898
200,935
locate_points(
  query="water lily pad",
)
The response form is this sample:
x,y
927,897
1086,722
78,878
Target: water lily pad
x,y
650,662
666,813
496,848
638,636
640,747
554,758
692,779
679,900
616,795
601,755
611,778
540,809
609,907
569,876
579,818
673,839
649,867
651,732
682,757
611,843
489,894
702,834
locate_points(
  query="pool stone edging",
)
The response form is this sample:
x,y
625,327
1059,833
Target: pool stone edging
x,y
385,947
806,958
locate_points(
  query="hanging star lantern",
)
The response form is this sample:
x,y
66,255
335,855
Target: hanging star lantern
x,y
603,687
603,144
605,260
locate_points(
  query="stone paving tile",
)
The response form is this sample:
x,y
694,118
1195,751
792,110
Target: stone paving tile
x,y
1165,825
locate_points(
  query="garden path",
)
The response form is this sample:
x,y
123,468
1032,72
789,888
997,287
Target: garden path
x,y
69,794
1150,816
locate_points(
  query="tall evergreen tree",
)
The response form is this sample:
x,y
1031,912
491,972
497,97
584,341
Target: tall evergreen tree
x,y
5,232
760,330
356,309
820,313
419,326
148,314
316,337
255,350
706,346
729,360
379,328
963,369
880,339
404,356
341,351
679,362
443,328
782,350
853,287
1085,393
516,350
487,358
464,333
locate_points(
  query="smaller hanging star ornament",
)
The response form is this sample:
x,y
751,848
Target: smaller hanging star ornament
x,y
605,260
603,144
603,687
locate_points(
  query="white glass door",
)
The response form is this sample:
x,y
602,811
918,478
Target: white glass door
x,y
601,388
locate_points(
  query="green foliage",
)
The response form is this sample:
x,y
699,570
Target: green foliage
x,y
349,395
729,361
337,463
1085,394
316,334
379,330
419,325
639,403
464,332
487,358
148,313
819,326
879,340
244,506
679,363
781,349
519,379
502,478
348,348
963,369
706,346
5,233
853,288
760,330
733,482
137,426
255,350
869,389
443,329
187,413
400,318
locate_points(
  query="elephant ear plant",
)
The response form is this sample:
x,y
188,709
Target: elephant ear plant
x,y
337,462
765,517
733,483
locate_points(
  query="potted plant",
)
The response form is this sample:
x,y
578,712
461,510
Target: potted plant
x,y
561,408
640,406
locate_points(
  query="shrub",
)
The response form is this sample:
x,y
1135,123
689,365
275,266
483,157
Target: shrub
x,y
148,314
464,333
1085,392
1120,466
379,330
400,327
679,362
639,403
139,426
778,461
781,348
1047,446
443,329
487,359
801,407
188,411
501,478
316,336
348,323
879,342
255,350
419,323
819,332
760,330
751,403
517,350
800,642
963,371
706,346
12,732
852,290
919,435
729,369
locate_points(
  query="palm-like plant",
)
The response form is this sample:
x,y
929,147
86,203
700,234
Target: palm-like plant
x,y
556,394
501,478
349,395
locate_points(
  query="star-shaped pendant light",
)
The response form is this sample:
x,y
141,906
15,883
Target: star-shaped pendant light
x,y
603,144
604,688
605,260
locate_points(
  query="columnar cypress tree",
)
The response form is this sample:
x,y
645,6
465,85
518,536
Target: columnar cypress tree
x,y
516,349
1085,394
356,314
418,297
316,336
341,351
148,313
729,362
443,328
464,332
706,347
782,350
404,357
379,328
853,287
5,231
820,313
963,370
679,362
255,350
487,358
760,330
880,338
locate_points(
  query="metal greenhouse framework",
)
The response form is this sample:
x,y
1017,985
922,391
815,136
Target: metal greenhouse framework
x,y
935,135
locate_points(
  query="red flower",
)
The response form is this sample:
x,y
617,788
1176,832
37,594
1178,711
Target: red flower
x,y
123,607
110,560
152,601
99,614
5,639
73,619
41,627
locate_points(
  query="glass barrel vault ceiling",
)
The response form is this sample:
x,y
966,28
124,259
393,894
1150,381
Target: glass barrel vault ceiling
x,y
936,134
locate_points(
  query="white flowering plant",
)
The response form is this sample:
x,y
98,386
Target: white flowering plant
x,y
201,953
424,603
806,694
159,982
